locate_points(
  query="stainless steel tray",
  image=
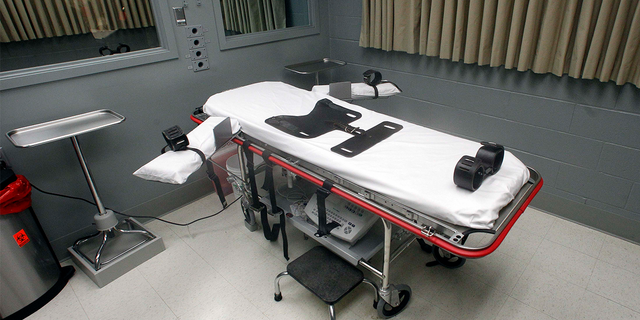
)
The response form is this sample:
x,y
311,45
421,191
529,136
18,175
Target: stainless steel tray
x,y
315,66
46,132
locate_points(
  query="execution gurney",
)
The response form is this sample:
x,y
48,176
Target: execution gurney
x,y
406,179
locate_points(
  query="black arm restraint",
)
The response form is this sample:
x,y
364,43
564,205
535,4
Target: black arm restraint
x,y
373,78
178,141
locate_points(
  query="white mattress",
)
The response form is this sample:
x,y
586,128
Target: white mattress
x,y
414,166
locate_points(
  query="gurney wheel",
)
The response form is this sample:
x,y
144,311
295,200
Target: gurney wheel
x,y
386,311
425,246
447,259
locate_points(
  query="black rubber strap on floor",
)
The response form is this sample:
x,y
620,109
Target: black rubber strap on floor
x,y
320,120
322,194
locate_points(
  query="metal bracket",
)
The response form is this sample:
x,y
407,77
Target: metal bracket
x,y
391,295
367,194
428,231
457,237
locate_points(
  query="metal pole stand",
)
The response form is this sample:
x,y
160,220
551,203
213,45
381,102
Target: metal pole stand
x,y
117,247
114,240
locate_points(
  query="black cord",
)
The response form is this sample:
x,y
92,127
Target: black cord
x,y
62,195
176,223
140,217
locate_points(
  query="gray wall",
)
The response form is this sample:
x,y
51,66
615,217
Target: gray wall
x,y
152,98
582,136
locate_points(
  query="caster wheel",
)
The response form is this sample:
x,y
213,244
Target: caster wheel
x,y
448,260
386,311
277,296
424,246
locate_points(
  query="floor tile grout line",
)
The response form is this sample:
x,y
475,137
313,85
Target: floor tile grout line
x,y
75,294
222,274
617,302
613,301
151,285
534,308
160,296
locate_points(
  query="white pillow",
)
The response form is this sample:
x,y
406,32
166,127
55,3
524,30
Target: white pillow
x,y
176,166
363,90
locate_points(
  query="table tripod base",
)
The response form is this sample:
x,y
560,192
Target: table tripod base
x,y
109,254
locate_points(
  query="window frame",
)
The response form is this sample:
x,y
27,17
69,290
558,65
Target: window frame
x,y
255,38
53,72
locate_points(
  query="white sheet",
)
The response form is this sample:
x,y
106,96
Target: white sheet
x,y
414,166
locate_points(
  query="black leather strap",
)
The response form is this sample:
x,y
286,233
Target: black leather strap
x,y
322,193
255,199
212,175
272,234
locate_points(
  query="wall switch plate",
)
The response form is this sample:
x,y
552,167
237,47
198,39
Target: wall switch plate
x,y
194,31
199,65
181,19
196,54
197,42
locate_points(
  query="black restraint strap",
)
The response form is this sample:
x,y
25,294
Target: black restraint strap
x,y
270,233
211,174
270,185
322,194
255,199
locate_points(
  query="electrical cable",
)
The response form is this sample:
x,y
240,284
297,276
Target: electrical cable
x,y
132,216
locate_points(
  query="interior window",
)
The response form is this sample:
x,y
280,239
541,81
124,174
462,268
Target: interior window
x,y
42,32
249,22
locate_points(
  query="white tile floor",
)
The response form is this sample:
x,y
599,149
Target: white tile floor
x,y
547,268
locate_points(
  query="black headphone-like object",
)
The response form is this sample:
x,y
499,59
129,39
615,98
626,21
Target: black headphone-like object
x,y
122,48
372,81
470,171
373,78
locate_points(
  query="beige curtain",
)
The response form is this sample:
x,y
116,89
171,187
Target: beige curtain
x,y
246,16
589,39
35,19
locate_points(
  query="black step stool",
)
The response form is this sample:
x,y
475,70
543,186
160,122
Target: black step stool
x,y
326,275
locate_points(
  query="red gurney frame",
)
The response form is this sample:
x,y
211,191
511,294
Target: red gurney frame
x,y
425,233
441,234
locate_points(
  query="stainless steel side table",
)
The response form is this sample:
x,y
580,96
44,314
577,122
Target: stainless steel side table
x,y
118,239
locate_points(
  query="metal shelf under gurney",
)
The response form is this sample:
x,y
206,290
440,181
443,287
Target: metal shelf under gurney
x,y
123,245
441,234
